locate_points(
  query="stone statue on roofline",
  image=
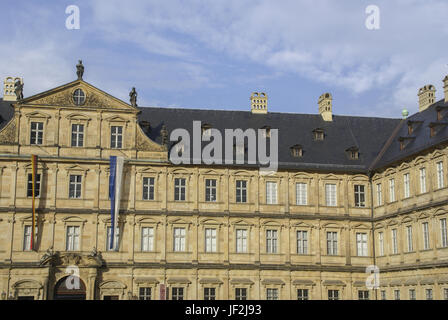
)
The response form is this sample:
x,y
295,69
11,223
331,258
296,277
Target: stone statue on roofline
x,y
133,97
79,70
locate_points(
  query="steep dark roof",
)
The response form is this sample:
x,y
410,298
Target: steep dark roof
x,y
368,134
6,112
420,138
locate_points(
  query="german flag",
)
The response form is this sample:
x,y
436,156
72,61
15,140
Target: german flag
x,y
33,228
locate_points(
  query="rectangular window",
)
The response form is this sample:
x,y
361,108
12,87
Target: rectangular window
x,y
179,189
241,240
330,195
179,239
333,294
210,190
379,194
407,192
75,187
116,137
428,294
210,240
271,294
425,236
116,236
144,293
29,190
177,293
302,242
302,294
77,135
360,200
209,294
381,243
394,241
443,233
397,294
445,294
440,177
27,238
241,191
271,241
147,239
148,188
240,294
363,295
412,294
391,190
72,243
37,133
301,194
383,295
332,243
361,244
271,192
422,180
409,238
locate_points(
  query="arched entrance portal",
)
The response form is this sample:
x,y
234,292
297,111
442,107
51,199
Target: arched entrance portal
x,y
70,288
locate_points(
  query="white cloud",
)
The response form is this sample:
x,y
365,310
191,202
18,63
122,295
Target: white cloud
x,y
322,41
325,41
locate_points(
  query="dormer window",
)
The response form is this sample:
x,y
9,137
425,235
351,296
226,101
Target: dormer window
x,y
266,130
412,125
440,112
404,141
318,134
435,127
206,133
353,153
296,151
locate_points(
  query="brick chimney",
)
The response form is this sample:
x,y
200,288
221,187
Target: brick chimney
x,y
8,88
426,97
325,106
259,102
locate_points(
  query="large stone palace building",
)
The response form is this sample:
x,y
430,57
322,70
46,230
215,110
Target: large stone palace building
x,y
350,192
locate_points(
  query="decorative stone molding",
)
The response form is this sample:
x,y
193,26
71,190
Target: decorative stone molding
x,y
8,133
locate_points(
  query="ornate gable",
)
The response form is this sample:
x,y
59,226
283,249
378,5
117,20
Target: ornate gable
x,y
64,96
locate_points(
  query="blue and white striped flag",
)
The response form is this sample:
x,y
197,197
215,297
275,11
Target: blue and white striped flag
x,y
116,173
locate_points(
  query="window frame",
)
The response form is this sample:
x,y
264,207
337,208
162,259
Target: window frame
x,y
116,138
301,193
75,243
180,189
331,194
272,243
77,136
39,133
76,185
37,187
148,184
360,195
271,192
147,240
240,191
211,187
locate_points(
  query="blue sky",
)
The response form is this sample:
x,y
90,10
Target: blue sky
x,y
213,54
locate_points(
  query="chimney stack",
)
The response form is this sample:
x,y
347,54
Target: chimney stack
x,y
259,102
445,88
8,88
426,97
325,106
